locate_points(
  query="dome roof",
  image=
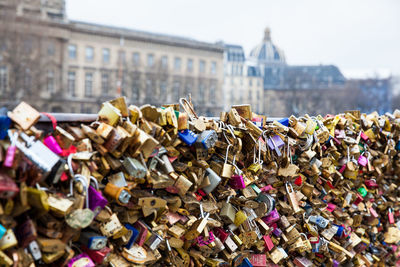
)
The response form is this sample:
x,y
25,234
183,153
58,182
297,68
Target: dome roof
x,y
266,51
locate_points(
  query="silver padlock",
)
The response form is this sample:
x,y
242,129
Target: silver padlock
x,y
214,181
134,168
34,250
166,164
38,153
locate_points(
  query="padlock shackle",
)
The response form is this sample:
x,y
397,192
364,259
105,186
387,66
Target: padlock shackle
x,y
83,180
69,162
95,182
226,155
289,188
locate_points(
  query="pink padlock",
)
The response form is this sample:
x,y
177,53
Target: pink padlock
x,y
362,160
331,207
364,136
52,144
237,182
341,170
11,150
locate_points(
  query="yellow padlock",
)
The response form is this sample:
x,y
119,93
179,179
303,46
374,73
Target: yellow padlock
x,y
240,217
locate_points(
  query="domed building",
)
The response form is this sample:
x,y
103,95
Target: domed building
x,y
271,61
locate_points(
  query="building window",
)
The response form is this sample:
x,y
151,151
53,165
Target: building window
x,y
202,93
71,83
163,90
51,50
3,79
150,60
202,66
105,83
50,81
213,67
72,51
106,55
89,53
188,89
213,94
149,89
232,96
175,90
136,59
250,95
258,82
164,62
190,65
135,90
250,82
258,96
121,57
177,64
88,84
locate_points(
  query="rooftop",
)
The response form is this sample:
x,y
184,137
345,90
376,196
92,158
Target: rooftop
x,y
98,29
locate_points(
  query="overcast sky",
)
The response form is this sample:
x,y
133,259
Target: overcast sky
x,y
360,36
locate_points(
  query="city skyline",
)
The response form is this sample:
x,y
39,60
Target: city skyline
x,y
366,47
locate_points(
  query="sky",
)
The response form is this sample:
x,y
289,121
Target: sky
x,y
361,37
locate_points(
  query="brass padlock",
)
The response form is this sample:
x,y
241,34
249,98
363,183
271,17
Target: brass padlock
x,y
227,212
227,168
292,197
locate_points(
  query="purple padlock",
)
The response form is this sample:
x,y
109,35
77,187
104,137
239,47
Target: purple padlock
x,y
237,182
82,260
275,143
362,160
272,217
96,198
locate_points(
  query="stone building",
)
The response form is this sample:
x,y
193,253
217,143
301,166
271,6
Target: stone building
x,y
243,83
70,66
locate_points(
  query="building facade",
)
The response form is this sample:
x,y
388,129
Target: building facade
x,y
243,82
73,66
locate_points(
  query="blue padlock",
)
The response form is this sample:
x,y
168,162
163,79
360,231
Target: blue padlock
x,y
398,146
133,237
246,263
5,123
188,137
284,121
2,231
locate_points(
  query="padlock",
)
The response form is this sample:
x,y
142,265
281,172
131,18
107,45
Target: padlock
x,y
227,168
166,163
24,115
37,152
319,220
134,168
292,198
98,256
271,217
143,231
390,216
120,194
96,198
52,144
26,233
230,244
136,254
206,139
214,179
188,136
50,245
11,150
92,240
9,240
154,241
275,143
82,260
240,217
34,250
227,212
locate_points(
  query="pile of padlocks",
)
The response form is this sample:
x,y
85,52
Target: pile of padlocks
x,y
162,186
